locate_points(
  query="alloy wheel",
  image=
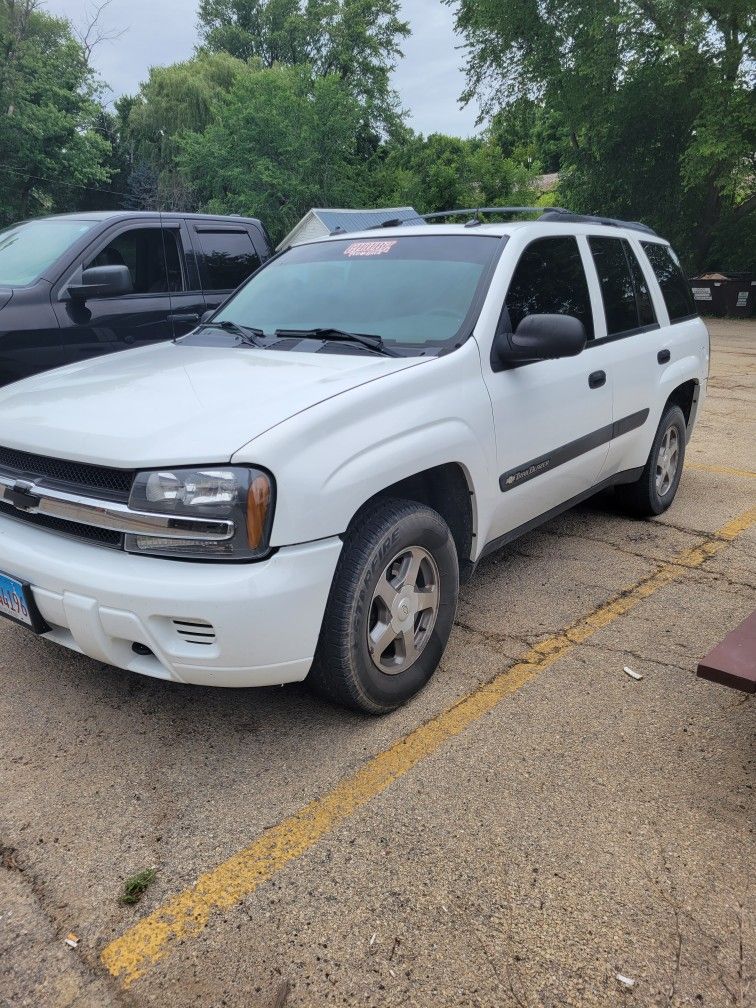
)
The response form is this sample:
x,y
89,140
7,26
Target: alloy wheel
x,y
403,610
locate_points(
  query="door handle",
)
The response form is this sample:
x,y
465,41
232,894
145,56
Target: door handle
x,y
596,379
663,356
190,317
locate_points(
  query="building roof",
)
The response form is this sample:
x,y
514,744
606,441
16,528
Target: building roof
x,y
329,219
361,220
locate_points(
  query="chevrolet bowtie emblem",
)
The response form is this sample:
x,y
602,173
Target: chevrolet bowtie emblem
x,y
21,496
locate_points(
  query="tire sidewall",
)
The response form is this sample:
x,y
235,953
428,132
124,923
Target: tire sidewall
x,y
420,527
673,416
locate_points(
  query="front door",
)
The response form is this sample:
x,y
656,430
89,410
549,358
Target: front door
x,y
161,306
553,418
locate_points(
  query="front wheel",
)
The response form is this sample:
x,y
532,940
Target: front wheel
x,y
390,610
655,490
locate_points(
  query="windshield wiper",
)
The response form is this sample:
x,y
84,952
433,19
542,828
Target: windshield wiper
x,y
367,340
249,335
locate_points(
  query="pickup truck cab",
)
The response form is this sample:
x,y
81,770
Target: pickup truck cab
x,y
82,285
296,487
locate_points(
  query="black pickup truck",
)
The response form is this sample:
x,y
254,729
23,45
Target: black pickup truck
x,y
79,285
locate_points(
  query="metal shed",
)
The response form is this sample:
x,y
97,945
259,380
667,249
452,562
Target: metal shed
x,y
319,222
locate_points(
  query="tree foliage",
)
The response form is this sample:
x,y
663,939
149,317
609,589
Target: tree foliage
x,y
654,99
49,115
281,142
444,172
357,41
173,100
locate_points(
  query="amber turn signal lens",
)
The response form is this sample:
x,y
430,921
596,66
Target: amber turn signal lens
x,y
258,502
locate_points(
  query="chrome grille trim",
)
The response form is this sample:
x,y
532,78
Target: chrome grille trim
x,y
109,515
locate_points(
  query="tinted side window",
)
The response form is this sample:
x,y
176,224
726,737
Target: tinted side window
x,y
549,279
646,313
228,258
675,288
617,288
152,256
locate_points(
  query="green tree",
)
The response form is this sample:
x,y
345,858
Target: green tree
x,y
441,172
50,118
355,40
173,100
281,142
654,98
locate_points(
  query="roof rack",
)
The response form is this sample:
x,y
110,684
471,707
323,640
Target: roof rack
x,y
553,215
557,215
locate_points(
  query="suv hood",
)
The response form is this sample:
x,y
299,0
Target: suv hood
x,y
174,404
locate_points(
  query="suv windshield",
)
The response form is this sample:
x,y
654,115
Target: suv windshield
x,y
26,250
414,292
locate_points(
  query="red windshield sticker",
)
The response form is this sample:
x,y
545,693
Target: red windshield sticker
x,y
369,248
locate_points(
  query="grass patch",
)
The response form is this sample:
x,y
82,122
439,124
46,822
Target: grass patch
x,y
136,886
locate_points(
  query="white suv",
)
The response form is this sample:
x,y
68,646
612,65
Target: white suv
x,y
297,487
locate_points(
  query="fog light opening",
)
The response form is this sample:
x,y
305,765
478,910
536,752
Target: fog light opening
x,y
141,649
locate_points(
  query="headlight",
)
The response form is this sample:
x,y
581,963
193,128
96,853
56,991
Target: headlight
x,y
239,496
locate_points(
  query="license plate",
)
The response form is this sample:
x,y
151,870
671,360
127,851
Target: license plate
x,y
17,603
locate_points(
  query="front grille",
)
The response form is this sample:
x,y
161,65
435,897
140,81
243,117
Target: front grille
x,y
76,477
103,537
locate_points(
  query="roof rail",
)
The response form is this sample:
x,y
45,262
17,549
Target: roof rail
x,y
554,215
484,210
557,215
472,212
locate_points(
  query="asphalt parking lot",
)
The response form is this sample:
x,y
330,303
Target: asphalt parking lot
x,y
531,826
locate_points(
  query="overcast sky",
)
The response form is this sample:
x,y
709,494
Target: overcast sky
x,y
428,79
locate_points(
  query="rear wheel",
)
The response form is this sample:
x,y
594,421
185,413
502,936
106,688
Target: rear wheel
x,y
655,490
390,610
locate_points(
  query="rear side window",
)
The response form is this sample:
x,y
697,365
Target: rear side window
x,y
624,291
550,280
228,258
152,256
675,288
646,313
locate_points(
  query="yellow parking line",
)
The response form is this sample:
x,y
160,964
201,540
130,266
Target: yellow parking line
x,y
187,913
724,470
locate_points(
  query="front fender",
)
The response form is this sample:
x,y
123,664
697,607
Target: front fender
x,y
330,459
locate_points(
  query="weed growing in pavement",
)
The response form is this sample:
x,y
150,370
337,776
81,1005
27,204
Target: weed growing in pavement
x,y
136,886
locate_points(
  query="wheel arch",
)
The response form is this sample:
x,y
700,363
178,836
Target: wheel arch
x,y
448,489
686,396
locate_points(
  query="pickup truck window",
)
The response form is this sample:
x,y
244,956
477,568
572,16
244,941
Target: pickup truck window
x,y
549,279
415,291
27,250
228,258
152,256
678,297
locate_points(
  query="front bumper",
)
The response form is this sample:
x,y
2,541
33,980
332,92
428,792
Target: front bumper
x,y
211,624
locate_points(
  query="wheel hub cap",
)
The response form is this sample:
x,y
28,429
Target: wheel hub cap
x,y
403,610
667,461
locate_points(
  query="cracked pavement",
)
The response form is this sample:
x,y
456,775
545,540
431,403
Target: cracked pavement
x,y
588,825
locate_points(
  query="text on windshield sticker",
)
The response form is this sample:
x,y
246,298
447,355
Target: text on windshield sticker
x,y
369,248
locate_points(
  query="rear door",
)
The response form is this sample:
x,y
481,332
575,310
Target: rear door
x,y
226,255
668,344
161,305
552,418
628,340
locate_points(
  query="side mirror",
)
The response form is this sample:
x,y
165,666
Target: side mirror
x,y
205,316
541,337
102,281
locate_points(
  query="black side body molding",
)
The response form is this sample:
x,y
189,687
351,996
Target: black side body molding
x,y
545,463
627,476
